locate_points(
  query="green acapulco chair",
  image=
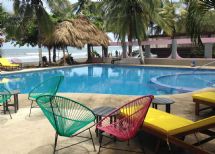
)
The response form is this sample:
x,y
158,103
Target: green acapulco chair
x,y
5,95
47,87
67,116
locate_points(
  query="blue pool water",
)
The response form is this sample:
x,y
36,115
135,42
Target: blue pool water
x,y
113,79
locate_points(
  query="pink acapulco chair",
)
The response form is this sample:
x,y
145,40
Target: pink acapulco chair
x,y
127,120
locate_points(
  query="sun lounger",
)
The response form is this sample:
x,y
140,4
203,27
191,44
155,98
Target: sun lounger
x,y
115,59
206,98
7,65
173,129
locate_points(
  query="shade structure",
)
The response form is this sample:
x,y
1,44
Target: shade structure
x,y
76,33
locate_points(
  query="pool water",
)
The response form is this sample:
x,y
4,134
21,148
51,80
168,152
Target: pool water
x,y
114,79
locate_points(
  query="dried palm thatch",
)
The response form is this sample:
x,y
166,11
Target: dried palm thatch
x,y
1,41
76,33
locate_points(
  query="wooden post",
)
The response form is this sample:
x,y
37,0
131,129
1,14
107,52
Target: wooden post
x,y
64,57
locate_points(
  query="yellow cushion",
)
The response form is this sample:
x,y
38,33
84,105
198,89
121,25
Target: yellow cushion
x,y
205,96
195,125
6,62
165,122
129,110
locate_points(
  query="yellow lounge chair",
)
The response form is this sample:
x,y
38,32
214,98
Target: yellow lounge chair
x,y
172,129
7,65
206,98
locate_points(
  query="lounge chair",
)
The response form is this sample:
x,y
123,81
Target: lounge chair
x,y
68,117
173,129
206,98
7,65
127,121
47,87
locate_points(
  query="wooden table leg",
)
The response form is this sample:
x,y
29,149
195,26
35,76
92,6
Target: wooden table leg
x,y
197,108
168,108
16,102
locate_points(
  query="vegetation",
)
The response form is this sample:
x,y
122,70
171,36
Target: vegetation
x,y
31,22
200,18
131,19
134,20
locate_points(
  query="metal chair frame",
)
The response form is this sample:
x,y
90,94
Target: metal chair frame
x,y
37,86
130,113
74,135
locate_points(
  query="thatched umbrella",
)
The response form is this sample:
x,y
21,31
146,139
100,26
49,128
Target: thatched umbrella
x,y
76,33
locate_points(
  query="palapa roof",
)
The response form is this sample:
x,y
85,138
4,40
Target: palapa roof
x,y
76,32
1,40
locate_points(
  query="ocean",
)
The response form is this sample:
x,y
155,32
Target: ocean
x,y
31,54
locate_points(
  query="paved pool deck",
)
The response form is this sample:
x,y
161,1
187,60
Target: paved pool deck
x,y
35,135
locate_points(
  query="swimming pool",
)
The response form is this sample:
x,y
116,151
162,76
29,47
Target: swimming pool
x,y
115,79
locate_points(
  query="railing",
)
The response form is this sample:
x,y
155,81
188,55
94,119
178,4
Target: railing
x,y
197,68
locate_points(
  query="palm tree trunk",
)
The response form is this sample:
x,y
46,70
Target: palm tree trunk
x,y
141,53
40,54
64,56
89,59
105,51
54,54
49,49
174,49
130,44
124,49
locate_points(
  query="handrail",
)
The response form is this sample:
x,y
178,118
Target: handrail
x,y
202,66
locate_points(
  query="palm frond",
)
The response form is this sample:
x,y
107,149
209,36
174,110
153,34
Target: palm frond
x,y
208,4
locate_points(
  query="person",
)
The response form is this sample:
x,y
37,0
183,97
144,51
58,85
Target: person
x,y
44,61
116,53
193,63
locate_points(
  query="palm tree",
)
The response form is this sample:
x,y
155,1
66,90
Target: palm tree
x,y
198,12
31,13
131,19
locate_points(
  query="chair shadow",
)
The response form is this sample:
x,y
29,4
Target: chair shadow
x,y
3,120
48,149
35,117
148,142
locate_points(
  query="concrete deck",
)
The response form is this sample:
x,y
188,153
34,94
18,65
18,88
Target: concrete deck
x,y
35,135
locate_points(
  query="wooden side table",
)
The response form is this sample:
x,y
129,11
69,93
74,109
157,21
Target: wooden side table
x,y
162,101
15,103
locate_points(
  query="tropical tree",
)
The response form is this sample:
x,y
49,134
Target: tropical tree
x,y
131,19
4,16
30,16
199,14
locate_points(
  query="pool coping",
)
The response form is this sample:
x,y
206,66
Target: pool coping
x,y
81,65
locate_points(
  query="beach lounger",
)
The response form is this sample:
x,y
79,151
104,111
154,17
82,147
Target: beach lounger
x,y
173,129
7,65
206,98
115,59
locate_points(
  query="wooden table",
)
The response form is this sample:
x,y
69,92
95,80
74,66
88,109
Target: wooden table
x,y
102,112
162,101
15,103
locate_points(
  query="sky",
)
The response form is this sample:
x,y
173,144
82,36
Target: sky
x,y
8,4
